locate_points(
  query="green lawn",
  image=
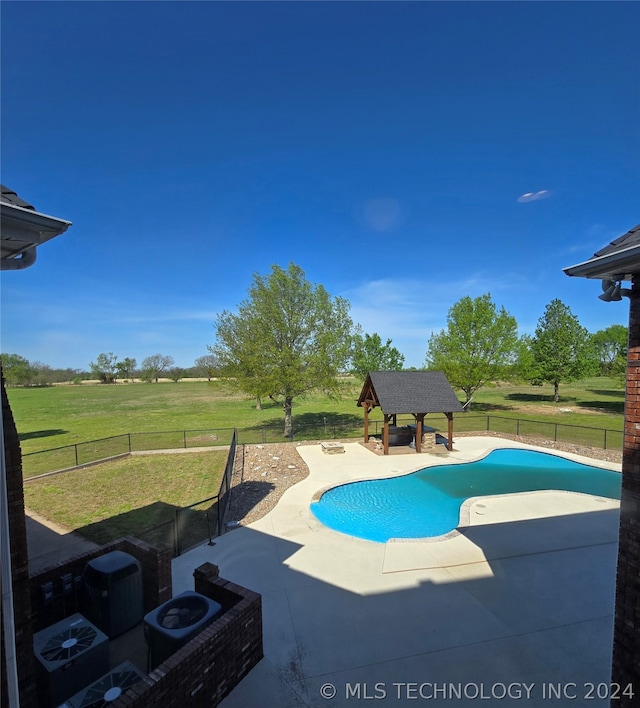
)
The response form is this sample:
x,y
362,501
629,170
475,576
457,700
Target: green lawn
x,y
596,401
63,415
130,495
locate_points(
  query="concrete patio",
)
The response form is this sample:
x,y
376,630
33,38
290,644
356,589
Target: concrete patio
x,y
518,608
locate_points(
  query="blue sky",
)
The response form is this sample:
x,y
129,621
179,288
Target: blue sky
x,y
384,147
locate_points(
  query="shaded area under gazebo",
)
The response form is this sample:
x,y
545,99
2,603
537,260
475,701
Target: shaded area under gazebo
x,y
408,392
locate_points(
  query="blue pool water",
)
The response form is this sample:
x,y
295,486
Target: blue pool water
x,y
427,502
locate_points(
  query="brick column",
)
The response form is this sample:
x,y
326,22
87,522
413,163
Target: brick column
x,y
626,639
19,565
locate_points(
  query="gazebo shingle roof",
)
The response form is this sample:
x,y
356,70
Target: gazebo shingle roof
x,y
411,392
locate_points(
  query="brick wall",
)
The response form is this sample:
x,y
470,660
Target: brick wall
x,y
156,580
206,669
19,567
626,642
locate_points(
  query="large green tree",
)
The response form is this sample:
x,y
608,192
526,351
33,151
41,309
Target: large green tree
x,y
561,347
479,344
370,354
610,347
17,370
104,367
125,369
289,337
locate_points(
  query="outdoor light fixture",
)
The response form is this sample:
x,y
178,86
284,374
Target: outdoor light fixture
x,y
612,290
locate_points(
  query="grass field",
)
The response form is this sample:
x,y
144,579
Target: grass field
x,y
63,415
130,495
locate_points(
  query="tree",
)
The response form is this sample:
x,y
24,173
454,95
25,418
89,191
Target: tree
x,y
175,373
17,370
287,338
104,367
610,347
479,344
155,365
125,368
524,366
561,347
370,354
209,364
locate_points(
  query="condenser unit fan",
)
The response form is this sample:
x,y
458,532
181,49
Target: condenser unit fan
x,y
68,644
107,688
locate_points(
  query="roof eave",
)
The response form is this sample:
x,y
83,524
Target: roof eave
x,y
621,265
25,229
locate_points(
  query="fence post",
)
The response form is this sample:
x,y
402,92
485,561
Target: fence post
x,y
184,438
176,535
129,440
555,432
488,419
75,447
605,438
518,427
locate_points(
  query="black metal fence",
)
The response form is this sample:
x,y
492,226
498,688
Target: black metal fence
x,y
70,456
201,521
604,438
78,454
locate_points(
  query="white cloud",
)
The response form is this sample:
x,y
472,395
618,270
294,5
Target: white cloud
x,y
534,196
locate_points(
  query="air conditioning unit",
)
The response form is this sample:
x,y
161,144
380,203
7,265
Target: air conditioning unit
x,y
113,585
175,622
69,654
107,688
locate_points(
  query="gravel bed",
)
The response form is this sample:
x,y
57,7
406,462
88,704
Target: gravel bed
x,y
262,474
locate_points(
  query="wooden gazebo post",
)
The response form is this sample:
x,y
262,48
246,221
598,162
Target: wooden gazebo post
x,y
385,434
419,428
450,431
367,409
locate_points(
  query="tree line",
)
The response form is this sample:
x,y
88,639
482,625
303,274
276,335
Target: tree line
x,y
290,337
107,369
19,371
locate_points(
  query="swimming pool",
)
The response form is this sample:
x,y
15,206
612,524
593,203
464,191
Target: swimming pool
x,y
427,502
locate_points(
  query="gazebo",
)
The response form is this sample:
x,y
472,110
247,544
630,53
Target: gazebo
x,y
408,392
